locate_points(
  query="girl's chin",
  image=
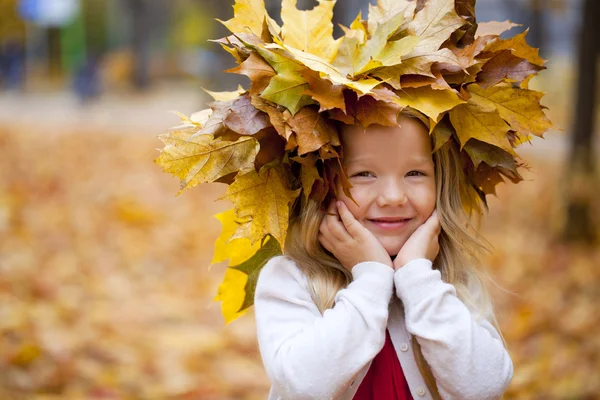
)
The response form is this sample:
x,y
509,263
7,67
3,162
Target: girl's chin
x,y
392,246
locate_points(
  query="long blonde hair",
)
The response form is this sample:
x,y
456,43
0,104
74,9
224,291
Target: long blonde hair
x,y
460,246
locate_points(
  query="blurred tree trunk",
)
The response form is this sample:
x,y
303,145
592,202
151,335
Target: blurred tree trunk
x,y
139,12
580,170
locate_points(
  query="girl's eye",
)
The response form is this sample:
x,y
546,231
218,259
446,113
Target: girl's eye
x,y
363,174
415,173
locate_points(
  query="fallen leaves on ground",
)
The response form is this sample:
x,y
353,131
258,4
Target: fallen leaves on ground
x,y
105,291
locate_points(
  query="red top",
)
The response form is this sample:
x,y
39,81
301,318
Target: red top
x,y
385,379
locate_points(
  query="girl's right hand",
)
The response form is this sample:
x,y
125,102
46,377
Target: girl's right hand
x,y
348,240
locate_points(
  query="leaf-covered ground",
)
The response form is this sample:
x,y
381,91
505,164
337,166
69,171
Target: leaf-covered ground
x,y
105,290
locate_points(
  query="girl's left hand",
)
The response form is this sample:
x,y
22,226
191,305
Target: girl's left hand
x,y
423,243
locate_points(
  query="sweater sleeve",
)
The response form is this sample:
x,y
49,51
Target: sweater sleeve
x,y
466,355
312,356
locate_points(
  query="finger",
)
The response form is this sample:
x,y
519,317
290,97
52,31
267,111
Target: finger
x,y
338,230
433,223
350,223
325,243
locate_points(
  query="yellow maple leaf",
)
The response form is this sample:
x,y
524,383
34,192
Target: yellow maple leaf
x,y
263,198
485,124
519,107
434,24
200,158
386,9
309,30
226,96
231,294
519,47
236,250
429,101
249,16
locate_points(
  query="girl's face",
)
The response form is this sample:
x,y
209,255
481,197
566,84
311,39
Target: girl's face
x,y
392,175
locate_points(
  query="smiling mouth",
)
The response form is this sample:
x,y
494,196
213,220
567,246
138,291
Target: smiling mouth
x,y
390,223
389,220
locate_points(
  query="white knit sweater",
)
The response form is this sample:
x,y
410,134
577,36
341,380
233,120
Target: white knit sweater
x,y
312,356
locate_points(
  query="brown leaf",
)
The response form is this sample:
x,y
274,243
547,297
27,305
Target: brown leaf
x,y
341,116
258,70
505,65
492,155
442,132
245,119
324,92
367,111
272,147
312,130
309,172
275,115
465,34
334,174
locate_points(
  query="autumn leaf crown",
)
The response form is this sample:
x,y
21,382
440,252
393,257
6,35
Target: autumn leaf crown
x,y
278,139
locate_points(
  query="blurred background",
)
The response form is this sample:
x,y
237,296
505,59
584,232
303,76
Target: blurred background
x,y
105,286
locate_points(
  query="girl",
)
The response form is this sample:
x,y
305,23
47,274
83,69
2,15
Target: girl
x,y
378,293
379,298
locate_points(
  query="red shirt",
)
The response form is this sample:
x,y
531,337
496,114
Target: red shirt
x,y
385,379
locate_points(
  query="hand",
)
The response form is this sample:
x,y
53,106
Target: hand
x,y
423,243
348,240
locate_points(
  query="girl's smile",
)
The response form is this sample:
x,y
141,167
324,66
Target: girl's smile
x,y
392,175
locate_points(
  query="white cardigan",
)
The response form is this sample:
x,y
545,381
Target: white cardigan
x,y
312,356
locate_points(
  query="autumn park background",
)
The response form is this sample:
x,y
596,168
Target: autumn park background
x,y
105,286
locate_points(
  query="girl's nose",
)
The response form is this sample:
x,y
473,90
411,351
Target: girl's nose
x,y
392,194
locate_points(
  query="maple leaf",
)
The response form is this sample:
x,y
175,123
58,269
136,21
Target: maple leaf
x,y
505,65
494,28
492,155
258,70
231,293
385,10
288,90
263,197
434,24
226,96
327,94
203,159
287,87
309,30
272,147
519,47
248,17
252,267
308,172
236,250
519,107
442,132
369,110
244,119
312,130
416,64
429,101
275,116
465,35
473,121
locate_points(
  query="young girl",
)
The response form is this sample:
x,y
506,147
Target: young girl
x,y
362,160
376,299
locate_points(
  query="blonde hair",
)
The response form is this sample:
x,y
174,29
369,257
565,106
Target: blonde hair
x,y
457,204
